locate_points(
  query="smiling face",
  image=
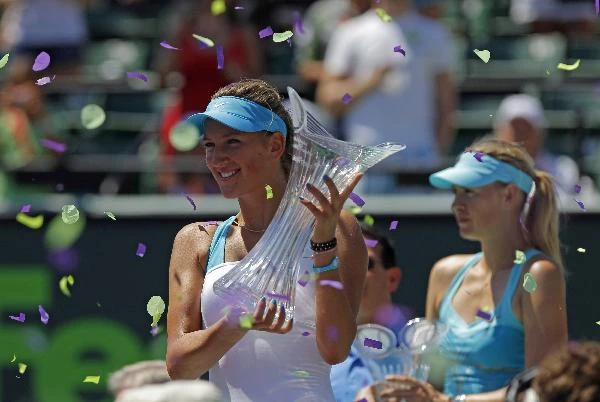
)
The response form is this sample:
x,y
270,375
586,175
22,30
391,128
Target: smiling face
x,y
241,162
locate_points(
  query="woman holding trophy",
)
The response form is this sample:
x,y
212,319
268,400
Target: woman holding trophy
x,y
503,308
263,355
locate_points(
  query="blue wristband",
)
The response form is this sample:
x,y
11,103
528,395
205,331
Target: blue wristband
x,y
330,267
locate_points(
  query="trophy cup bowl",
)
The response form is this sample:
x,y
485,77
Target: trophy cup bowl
x,y
418,337
272,267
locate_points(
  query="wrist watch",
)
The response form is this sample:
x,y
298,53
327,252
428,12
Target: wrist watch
x,y
458,398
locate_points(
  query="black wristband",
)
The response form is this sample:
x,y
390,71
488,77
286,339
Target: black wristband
x,y
325,246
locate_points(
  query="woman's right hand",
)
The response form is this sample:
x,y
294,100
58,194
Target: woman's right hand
x,y
263,319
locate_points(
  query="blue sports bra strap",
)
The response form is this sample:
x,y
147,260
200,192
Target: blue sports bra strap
x,y
515,276
216,252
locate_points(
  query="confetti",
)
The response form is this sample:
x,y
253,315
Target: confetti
x,y
269,191
138,75
246,321
598,322
519,257
45,80
206,41
334,284
372,343
301,373
42,61
354,209
278,296
92,116
54,145
371,243
357,199
217,7
70,214
32,222
484,315
484,55
298,24
62,284
155,330
569,67
220,57
305,333
20,317
22,368
184,136
189,198
92,378
4,60
580,203
581,250
155,308
282,36
347,98
238,8
369,220
167,46
577,188
26,208
363,400
111,215
529,283
381,13
267,31
141,250
44,317
478,156
398,49
14,358
393,225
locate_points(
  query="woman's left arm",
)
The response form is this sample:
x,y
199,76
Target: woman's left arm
x,y
336,309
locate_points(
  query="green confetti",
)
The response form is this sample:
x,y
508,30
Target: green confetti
x,y
22,368
206,41
217,7
529,283
4,60
301,373
381,13
569,67
60,235
184,136
70,214
110,215
246,321
92,378
484,54
282,36
354,209
14,358
32,222
598,322
155,308
62,284
269,191
519,257
581,250
368,219
92,116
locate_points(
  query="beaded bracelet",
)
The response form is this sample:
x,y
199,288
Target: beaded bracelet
x,y
316,253
328,245
330,267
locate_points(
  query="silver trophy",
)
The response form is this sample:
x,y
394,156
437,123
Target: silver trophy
x,y
418,337
272,267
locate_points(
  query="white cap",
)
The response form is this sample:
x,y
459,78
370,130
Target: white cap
x,y
523,106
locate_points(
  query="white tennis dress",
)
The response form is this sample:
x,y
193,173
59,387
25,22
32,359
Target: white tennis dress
x,y
263,366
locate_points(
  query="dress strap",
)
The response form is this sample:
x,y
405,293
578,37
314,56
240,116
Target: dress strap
x,y
513,280
216,252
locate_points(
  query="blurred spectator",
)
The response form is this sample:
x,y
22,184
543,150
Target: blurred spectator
x,y
136,375
520,118
197,65
376,307
320,20
570,375
566,16
407,99
17,145
175,391
58,27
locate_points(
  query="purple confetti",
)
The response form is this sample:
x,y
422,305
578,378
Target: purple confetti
x,y
26,208
265,32
298,24
303,280
398,49
154,330
393,225
577,188
278,296
371,243
305,333
141,250
484,314
45,80
54,145
478,156
364,399
356,199
138,75
42,61
44,317
220,57
346,98
64,260
333,284
20,317
372,343
580,203
191,201
167,46
238,8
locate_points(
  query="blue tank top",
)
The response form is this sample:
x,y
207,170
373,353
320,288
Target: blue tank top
x,y
216,252
484,355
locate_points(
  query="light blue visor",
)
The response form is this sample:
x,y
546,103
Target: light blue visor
x,y
240,114
469,172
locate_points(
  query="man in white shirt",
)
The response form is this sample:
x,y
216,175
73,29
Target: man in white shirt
x,y
408,99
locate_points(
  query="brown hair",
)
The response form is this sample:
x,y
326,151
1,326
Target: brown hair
x,y
570,375
265,95
542,221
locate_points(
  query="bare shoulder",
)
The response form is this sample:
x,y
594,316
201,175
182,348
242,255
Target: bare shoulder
x,y
547,274
194,241
446,268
